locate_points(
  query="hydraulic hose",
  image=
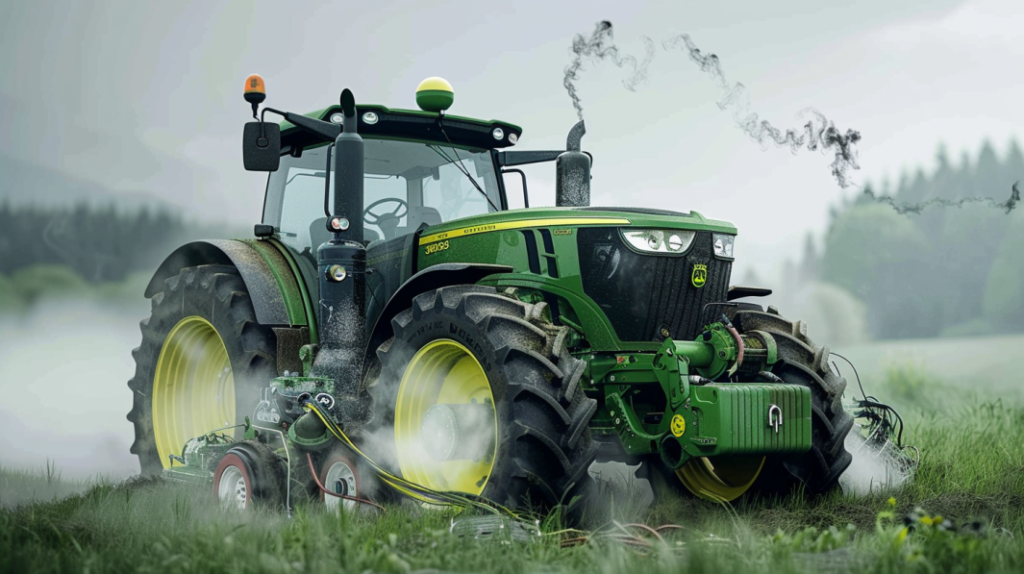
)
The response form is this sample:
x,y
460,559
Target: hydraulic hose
x,y
735,337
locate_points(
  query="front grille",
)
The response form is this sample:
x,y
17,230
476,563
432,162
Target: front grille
x,y
640,294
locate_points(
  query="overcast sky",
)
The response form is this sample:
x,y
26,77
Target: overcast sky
x,y
145,97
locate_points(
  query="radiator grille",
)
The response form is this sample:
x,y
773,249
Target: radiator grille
x,y
641,293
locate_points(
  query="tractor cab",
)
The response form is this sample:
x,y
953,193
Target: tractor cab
x,y
407,184
420,168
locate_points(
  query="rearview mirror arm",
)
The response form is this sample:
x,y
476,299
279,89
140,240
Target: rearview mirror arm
x,y
326,130
526,196
509,158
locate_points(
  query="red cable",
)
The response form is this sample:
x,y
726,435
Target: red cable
x,y
739,343
647,528
316,479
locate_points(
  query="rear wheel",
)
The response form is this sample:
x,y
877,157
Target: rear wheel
x,y
202,358
481,396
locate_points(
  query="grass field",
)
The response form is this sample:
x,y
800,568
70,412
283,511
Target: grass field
x,y
971,476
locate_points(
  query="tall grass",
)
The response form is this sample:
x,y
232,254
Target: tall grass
x,y
18,486
971,476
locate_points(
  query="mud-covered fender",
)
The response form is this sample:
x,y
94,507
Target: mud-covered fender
x,y
433,277
260,279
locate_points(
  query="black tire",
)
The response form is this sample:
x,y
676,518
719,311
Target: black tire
x,y
262,472
544,447
802,362
217,294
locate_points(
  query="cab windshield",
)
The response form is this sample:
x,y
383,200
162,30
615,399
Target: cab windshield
x,y
411,183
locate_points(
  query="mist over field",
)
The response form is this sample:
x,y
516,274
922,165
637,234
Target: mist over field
x,y
63,392
72,285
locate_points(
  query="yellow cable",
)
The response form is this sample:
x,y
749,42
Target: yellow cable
x,y
400,484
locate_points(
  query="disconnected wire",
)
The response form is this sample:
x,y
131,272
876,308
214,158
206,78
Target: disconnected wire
x,y
405,487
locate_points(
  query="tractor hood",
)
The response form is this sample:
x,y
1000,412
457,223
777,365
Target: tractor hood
x,y
568,216
585,266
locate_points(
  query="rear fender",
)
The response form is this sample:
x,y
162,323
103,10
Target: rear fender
x,y
433,277
265,272
277,297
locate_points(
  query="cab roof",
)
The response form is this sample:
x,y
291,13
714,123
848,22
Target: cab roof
x,y
412,125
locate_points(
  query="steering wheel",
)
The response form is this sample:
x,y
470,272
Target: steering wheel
x,y
376,218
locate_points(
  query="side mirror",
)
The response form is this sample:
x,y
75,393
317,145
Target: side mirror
x,y
261,146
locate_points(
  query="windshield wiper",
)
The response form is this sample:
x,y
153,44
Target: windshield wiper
x,y
458,165
317,174
464,172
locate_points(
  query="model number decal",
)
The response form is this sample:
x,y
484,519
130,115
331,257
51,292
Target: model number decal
x,y
435,247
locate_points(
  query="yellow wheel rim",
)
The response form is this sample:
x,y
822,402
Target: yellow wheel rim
x,y
720,479
193,389
444,373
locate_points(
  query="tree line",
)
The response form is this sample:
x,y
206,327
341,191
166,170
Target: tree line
x,y
101,244
945,271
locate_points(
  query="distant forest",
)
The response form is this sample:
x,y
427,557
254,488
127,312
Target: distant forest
x,y
944,272
100,244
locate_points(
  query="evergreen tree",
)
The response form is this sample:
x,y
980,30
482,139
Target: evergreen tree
x,y
939,271
100,244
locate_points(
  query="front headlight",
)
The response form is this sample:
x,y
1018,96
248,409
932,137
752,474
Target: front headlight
x,y
659,240
723,244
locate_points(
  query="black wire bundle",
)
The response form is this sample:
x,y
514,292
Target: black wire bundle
x,y
880,415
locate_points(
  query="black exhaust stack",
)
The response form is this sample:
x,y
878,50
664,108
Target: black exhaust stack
x,y
572,171
342,265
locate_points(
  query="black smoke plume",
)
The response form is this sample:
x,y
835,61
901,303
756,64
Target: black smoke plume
x,y
598,47
818,133
916,208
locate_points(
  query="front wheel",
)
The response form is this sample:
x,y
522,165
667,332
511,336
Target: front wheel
x,y
800,362
481,396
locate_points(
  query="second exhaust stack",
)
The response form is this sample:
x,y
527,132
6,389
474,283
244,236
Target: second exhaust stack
x,y
572,171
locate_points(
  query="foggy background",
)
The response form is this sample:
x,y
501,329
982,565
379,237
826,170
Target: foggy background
x,y
122,124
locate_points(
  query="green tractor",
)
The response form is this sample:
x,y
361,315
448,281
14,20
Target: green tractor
x,y
393,322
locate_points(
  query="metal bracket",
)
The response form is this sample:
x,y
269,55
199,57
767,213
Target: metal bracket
x,y
634,439
770,346
774,421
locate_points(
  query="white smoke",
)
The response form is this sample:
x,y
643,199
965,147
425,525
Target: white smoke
x,y
873,469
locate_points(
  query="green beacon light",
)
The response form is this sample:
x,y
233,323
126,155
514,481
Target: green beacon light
x,y
435,95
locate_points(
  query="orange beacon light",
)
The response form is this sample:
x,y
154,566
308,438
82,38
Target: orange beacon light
x,y
255,91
